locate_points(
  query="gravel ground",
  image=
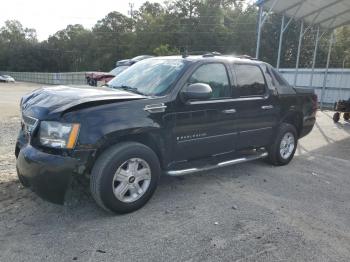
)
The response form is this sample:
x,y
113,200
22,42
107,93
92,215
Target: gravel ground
x,y
248,212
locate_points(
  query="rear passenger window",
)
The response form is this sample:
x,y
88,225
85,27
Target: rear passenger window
x,y
250,81
215,75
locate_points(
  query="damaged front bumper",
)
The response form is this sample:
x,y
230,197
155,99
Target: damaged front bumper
x,y
49,175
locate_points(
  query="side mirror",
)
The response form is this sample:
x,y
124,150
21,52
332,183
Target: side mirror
x,y
198,91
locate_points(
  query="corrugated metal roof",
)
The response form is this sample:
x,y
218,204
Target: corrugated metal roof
x,y
329,14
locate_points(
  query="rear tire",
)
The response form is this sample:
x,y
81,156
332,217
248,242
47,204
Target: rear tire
x,y
125,177
282,151
336,117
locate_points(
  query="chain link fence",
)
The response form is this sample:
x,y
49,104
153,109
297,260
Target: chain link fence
x,y
69,78
337,83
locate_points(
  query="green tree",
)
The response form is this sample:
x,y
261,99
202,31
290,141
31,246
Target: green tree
x,y
227,26
341,54
69,48
164,50
17,46
113,40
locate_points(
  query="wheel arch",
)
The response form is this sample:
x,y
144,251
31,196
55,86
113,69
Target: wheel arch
x,y
146,138
296,119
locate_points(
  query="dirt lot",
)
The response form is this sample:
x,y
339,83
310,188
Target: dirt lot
x,y
248,212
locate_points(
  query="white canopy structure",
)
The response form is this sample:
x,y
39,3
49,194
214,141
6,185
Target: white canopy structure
x,y
326,15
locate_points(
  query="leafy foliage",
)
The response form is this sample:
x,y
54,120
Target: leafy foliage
x,y
227,26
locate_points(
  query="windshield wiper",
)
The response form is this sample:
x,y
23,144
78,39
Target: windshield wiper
x,y
129,88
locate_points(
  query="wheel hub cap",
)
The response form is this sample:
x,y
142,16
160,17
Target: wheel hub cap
x,y
131,180
287,145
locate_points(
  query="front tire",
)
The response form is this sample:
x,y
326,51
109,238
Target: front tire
x,y
346,116
282,151
125,177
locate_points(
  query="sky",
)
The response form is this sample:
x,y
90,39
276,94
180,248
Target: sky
x,y
47,16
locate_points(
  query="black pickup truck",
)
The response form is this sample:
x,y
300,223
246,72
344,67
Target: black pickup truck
x,y
166,115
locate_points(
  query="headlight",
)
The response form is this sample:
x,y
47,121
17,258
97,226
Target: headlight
x,y
58,135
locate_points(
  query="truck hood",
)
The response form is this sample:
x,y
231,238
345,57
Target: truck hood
x,y
46,101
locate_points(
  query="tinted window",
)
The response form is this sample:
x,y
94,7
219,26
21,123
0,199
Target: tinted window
x,y
281,81
250,80
214,75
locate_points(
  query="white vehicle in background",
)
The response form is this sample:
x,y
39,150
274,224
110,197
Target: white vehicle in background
x,y
7,79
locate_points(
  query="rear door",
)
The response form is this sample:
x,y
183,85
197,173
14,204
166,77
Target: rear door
x,y
257,113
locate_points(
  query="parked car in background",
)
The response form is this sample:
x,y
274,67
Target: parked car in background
x,y
129,62
173,115
92,78
7,79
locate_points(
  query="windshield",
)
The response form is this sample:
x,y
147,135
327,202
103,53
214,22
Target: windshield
x,y
149,77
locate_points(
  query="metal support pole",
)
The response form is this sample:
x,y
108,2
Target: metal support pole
x,y
342,72
327,67
280,43
298,54
259,32
315,55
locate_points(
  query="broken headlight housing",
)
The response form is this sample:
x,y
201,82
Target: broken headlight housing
x,y
58,135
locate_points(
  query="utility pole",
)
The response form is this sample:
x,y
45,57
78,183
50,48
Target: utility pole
x,y
131,10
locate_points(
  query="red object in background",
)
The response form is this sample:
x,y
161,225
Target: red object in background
x,y
93,77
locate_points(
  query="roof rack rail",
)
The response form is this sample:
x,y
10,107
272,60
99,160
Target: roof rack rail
x,y
185,53
211,54
198,52
246,57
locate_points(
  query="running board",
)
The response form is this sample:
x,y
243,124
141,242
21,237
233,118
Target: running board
x,y
248,158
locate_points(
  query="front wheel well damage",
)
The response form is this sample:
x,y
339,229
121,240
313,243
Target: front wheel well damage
x,y
143,138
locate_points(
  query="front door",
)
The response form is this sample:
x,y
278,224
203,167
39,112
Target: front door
x,y
205,128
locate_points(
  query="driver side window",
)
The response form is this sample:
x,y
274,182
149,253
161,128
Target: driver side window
x,y
215,75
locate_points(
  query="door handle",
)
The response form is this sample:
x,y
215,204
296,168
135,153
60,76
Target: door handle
x,y
155,108
229,111
267,107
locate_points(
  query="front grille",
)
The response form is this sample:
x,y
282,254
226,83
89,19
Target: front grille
x,y
29,123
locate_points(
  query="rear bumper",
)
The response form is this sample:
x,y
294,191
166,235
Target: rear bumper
x,y
49,175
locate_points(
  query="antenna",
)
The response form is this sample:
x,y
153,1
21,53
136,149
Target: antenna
x,y
131,10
